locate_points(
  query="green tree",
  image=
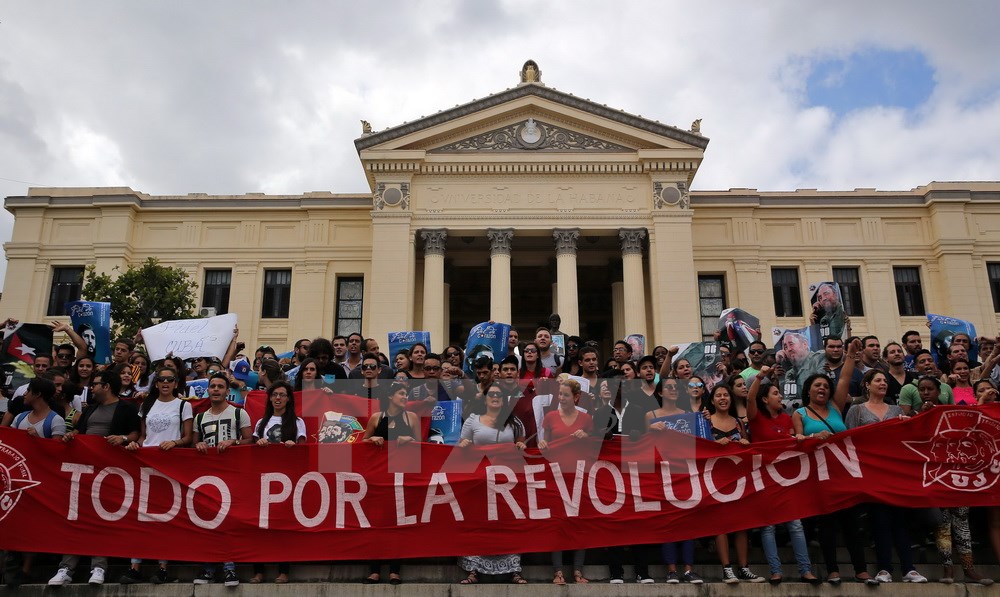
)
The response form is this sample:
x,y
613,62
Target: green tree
x,y
141,293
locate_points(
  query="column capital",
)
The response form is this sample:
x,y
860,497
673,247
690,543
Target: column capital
x,y
566,240
631,240
434,240
500,240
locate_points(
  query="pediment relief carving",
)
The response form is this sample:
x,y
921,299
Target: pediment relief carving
x,y
532,135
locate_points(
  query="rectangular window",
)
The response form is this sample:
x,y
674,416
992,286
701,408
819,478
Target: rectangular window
x,y
787,296
217,282
909,295
711,302
850,289
993,271
277,293
66,285
350,296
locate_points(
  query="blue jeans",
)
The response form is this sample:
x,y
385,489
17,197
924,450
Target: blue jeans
x,y
799,547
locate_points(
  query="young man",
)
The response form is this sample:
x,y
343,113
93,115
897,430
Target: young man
x,y
912,344
909,397
353,359
221,426
870,354
621,352
65,355
571,364
543,338
340,350
322,350
512,345
897,375
109,417
370,372
756,353
431,389
590,363
40,365
122,348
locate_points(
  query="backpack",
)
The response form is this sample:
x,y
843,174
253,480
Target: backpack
x,y
201,417
46,425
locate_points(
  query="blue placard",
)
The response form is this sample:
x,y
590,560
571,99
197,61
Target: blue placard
x,y
92,321
446,421
405,340
486,339
943,329
691,423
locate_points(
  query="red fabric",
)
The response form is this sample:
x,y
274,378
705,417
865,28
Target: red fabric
x,y
361,501
556,429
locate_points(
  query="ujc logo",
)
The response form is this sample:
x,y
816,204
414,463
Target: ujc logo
x,y
14,478
964,452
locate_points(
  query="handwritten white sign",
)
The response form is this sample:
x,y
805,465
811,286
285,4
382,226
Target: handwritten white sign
x,y
189,338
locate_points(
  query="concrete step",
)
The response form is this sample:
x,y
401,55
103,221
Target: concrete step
x,y
787,589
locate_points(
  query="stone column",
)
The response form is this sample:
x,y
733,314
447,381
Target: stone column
x,y
633,280
433,322
567,300
500,241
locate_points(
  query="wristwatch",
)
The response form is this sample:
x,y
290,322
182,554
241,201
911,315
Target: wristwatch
x,y
125,441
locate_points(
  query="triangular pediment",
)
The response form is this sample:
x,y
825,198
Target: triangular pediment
x,y
532,118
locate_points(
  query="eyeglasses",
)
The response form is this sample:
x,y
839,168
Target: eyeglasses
x,y
432,367
529,350
494,394
695,384
166,379
279,395
368,367
756,351
671,387
452,354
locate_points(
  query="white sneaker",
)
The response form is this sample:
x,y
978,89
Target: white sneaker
x,y
96,576
62,577
883,576
617,581
914,576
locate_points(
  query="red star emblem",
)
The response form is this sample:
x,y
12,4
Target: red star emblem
x,y
964,452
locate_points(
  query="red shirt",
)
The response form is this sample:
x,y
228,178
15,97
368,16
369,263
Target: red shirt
x,y
555,428
764,428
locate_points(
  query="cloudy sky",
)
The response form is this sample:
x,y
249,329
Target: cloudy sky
x,y
247,96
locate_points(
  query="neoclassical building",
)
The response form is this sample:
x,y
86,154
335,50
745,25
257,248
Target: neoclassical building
x,y
510,207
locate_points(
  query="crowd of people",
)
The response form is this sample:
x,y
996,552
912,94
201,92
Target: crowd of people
x,y
138,404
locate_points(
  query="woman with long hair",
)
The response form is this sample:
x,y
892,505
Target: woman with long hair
x,y
144,378
81,375
531,363
497,425
166,423
268,373
418,352
889,523
727,428
279,425
693,393
737,385
401,362
961,387
393,423
307,377
567,421
124,373
770,422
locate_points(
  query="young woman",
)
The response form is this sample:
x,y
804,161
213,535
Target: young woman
x,y
531,363
726,429
629,370
769,421
124,373
888,522
143,380
393,423
667,392
497,426
81,374
166,423
961,388
401,363
279,425
268,373
307,377
567,421
418,352
929,390
682,369
738,388
693,392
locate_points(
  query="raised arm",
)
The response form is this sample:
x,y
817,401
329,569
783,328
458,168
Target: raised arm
x,y
667,362
754,390
61,326
843,392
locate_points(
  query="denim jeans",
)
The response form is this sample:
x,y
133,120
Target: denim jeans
x,y
799,547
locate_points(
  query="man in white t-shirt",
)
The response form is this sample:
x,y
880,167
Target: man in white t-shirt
x,y
221,426
543,338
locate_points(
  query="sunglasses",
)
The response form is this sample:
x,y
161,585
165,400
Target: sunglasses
x,y
756,351
529,350
64,355
166,379
695,384
432,368
494,394
452,354
368,367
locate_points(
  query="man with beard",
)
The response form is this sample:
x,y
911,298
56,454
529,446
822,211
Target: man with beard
x,y
897,375
912,344
756,352
543,338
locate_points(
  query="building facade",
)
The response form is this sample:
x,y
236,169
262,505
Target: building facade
x,y
526,202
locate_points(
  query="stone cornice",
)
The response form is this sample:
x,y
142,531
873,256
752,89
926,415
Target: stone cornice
x,y
543,92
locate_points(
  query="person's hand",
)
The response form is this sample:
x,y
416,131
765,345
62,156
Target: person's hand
x,y
854,349
132,446
262,441
926,406
812,316
765,371
579,434
658,426
717,335
464,443
821,435
202,447
779,371
168,445
952,379
799,436
543,445
290,443
744,441
222,447
57,326
723,441
10,323
705,413
928,324
69,436
376,440
520,445
327,390
720,367
401,441
673,350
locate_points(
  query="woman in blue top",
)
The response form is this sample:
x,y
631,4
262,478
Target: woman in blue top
x,y
820,418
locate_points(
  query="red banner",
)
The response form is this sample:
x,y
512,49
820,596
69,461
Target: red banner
x,y
359,501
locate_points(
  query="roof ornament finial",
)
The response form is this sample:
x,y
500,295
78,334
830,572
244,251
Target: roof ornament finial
x,y
530,73
696,126
366,127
